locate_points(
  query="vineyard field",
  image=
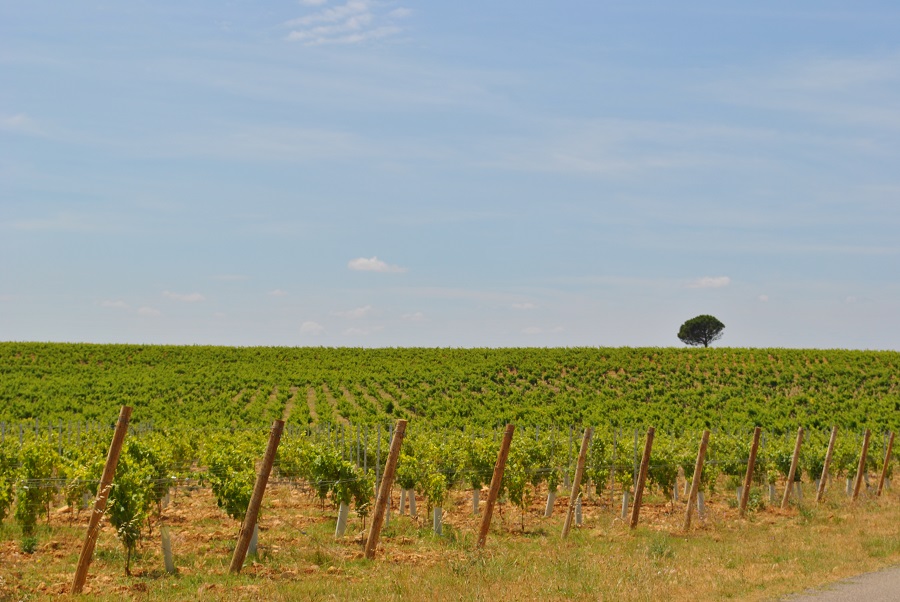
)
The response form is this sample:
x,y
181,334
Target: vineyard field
x,y
669,388
200,416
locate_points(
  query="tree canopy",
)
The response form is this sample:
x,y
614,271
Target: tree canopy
x,y
701,330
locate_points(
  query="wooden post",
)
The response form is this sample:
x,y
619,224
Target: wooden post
x,y
861,469
495,485
887,463
384,490
794,461
642,477
748,478
576,484
695,482
826,464
109,471
249,523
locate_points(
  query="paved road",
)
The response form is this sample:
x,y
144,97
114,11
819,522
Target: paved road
x,y
883,586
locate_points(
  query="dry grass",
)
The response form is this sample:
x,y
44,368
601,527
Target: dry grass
x,y
771,554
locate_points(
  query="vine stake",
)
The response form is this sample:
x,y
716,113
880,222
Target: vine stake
x,y
794,461
109,471
861,469
751,464
826,464
887,463
642,477
384,491
495,485
576,484
249,524
695,481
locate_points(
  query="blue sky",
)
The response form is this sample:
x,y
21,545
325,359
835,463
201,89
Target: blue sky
x,y
380,173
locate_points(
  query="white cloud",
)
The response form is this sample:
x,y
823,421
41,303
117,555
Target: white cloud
x,y
313,2
400,13
277,293
524,306
117,304
62,222
414,317
185,297
710,282
855,92
356,331
310,327
373,264
355,314
149,311
764,298
18,123
532,330
353,22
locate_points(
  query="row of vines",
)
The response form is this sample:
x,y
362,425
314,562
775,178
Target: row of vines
x,y
342,465
669,388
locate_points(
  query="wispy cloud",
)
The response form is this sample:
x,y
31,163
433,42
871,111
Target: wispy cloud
x,y
149,311
19,123
373,264
355,314
310,327
61,222
413,317
185,297
710,282
277,293
117,304
356,331
353,22
524,306
836,91
267,143
533,330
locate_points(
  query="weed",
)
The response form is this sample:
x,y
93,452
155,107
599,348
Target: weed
x,y
659,547
28,544
806,515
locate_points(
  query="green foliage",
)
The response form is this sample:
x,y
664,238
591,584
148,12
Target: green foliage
x,y
294,458
231,474
131,495
479,456
34,493
516,477
671,389
409,471
608,454
779,454
701,330
330,474
81,467
9,465
667,456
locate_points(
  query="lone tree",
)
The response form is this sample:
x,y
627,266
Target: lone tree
x,y
701,330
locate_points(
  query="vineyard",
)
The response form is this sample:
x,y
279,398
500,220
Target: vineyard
x,y
778,389
201,417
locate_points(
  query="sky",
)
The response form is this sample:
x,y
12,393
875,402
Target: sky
x,y
450,174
